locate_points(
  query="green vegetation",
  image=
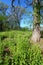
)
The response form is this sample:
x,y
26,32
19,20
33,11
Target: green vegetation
x,y
16,49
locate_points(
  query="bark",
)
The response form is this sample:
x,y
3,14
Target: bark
x,y
36,34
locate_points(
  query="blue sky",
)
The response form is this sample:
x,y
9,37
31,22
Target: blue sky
x,y
8,2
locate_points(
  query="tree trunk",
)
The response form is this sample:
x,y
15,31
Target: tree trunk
x,y
36,32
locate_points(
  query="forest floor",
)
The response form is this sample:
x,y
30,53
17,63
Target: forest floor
x,y
18,46
41,41
15,34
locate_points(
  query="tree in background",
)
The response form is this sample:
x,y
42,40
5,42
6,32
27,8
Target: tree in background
x,y
15,16
3,17
3,8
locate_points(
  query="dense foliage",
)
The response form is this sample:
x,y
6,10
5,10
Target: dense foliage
x,y
16,49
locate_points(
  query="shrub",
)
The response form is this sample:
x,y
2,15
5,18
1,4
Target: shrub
x,y
19,51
